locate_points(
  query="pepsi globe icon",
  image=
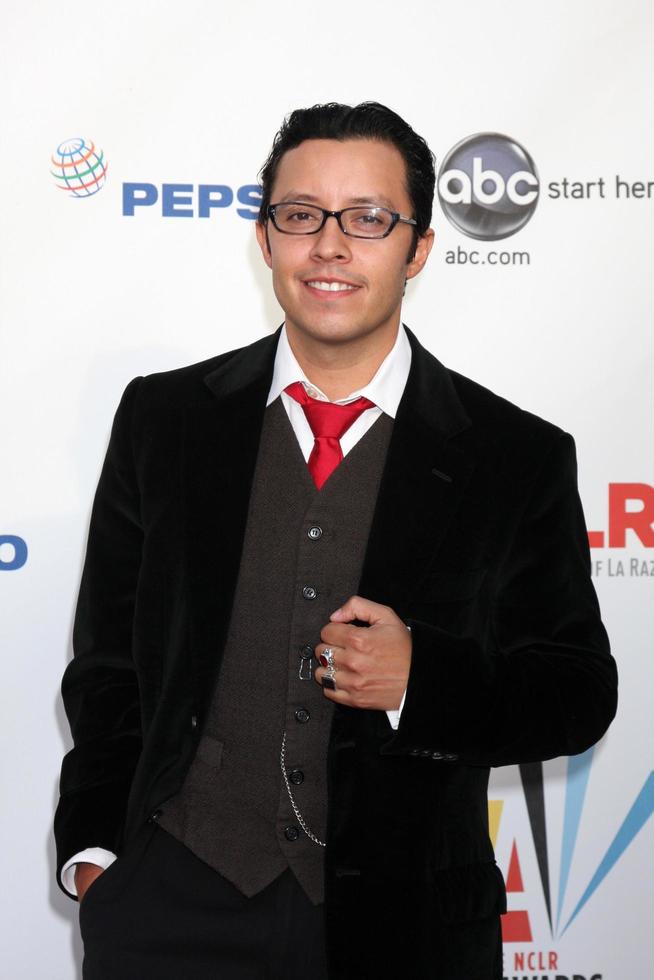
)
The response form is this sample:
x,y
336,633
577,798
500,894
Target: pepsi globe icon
x,y
80,168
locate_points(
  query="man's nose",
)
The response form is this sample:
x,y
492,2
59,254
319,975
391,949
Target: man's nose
x,y
330,242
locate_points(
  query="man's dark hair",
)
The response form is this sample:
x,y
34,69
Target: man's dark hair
x,y
368,120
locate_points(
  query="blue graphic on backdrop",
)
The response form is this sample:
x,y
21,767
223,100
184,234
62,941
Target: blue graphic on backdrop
x,y
17,549
579,769
190,200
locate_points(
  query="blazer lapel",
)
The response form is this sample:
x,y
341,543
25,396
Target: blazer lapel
x,y
222,432
424,477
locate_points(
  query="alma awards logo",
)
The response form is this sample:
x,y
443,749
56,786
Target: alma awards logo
x,y
80,169
523,950
488,186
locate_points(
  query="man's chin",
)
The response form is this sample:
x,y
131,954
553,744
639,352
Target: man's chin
x,y
335,334
334,330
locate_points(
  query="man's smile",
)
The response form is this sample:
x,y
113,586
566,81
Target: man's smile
x,y
330,287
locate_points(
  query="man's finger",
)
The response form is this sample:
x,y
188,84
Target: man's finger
x,y
338,651
339,634
342,678
339,697
364,610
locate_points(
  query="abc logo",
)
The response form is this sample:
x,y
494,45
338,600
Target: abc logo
x,y
488,186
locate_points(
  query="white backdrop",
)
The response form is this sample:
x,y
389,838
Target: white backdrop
x,y
192,94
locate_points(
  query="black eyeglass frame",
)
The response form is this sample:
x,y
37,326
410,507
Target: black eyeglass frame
x,y
395,215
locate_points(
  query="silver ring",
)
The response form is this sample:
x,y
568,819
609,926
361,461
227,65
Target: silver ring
x,y
328,677
328,654
329,682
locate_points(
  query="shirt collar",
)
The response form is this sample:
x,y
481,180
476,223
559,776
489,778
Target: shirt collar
x,y
385,389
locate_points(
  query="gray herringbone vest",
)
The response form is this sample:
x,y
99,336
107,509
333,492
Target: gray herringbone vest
x,y
302,557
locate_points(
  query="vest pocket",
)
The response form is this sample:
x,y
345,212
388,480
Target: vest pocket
x,y
210,751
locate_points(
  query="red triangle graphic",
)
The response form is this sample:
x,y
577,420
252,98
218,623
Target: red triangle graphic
x,y
514,876
516,927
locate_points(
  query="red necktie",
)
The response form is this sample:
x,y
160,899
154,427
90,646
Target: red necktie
x,y
329,422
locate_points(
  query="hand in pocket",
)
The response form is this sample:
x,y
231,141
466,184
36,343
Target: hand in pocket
x,y
85,875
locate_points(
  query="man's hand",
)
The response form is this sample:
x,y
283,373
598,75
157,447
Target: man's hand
x,y
85,875
372,663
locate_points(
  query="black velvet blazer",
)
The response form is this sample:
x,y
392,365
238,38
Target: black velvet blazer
x,y
478,542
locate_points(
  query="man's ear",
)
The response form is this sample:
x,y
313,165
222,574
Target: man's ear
x,y
264,242
423,248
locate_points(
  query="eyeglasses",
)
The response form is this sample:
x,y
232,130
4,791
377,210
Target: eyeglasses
x,y
295,218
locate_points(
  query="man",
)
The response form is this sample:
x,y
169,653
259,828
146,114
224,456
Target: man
x,y
328,584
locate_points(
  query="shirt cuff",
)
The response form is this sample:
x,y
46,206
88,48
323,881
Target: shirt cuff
x,y
394,716
92,855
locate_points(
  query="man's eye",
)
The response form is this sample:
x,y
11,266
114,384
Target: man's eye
x,y
369,219
300,216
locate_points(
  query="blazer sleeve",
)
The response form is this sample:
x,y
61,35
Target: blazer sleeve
x,y
543,683
99,687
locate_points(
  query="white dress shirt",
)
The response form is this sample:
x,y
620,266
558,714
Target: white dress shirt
x,y
385,390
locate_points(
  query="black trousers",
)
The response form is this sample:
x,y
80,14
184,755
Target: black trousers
x,y
159,913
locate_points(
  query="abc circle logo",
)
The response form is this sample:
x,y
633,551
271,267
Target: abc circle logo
x,y
488,186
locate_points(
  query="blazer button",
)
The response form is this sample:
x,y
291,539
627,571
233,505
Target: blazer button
x,y
414,751
307,651
291,833
450,757
308,592
438,755
425,752
314,532
302,716
296,776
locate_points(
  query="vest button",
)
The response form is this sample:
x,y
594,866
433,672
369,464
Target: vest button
x,y
314,532
296,776
307,651
302,716
309,592
291,833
